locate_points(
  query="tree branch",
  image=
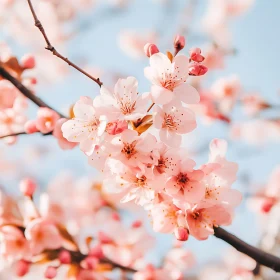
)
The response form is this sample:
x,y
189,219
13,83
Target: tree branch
x,y
260,256
54,51
24,90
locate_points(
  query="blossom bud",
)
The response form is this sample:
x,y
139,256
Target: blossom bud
x,y
150,49
116,127
96,251
30,127
116,217
179,43
137,224
27,187
195,55
197,69
267,205
89,263
50,272
22,268
104,238
181,233
28,61
64,257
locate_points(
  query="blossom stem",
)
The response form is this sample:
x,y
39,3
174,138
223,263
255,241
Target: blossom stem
x,y
54,51
260,256
24,90
149,109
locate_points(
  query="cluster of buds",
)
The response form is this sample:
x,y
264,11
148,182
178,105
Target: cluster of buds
x,y
196,58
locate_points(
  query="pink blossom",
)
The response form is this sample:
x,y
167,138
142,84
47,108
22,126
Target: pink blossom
x,y
30,127
226,91
166,217
133,150
124,102
254,104
27,187
169,79
57,133
173,120
202,220
42,235
46,120
181,234
8,94
13,245
28,61
186,184
86,127
134,184
214,58
195,55
11,121
151,273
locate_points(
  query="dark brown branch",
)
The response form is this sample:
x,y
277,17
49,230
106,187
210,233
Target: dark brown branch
x,y
23,133
260,256
24,90
54,51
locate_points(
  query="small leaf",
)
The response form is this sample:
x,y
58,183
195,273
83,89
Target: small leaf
x,y
142,124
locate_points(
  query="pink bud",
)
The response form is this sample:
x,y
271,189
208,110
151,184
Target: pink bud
x,y
267,205
197,69
116,127
116,216
195,55
22,268
179,43
89,262
136,224
104,238
30,127
96,251
50,272
28,61
181,233
64,257
150,49
27,186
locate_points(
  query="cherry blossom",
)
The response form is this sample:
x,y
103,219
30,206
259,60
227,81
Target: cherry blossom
x,y
124,102
173,120
169,79
86,127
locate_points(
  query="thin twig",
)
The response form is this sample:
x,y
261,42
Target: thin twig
x,y
51,48
149,109
24,90
260,256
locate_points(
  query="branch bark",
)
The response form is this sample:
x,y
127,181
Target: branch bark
x,y
24,90
260,256
51,48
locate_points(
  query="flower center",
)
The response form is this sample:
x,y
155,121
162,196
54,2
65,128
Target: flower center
x,y
169,122
129,149
141,182
182,179
127,107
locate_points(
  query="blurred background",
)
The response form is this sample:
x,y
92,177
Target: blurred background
x,y
240,40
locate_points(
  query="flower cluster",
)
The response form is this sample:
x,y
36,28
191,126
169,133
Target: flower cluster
x,y
135,140
55,232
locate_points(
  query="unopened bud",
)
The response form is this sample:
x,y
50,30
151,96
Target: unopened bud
x,y
96,251
104,238
28,61
267,205
195,55
181,233
150,49
30,127
89,263
50,272
22,268
197,70
179,43
64,257
27,187
136,224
